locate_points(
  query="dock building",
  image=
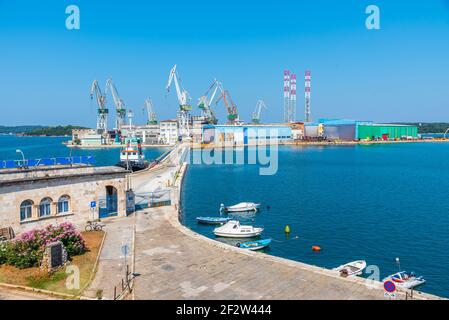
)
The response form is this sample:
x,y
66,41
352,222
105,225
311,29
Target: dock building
x,y
41,195
245,134
354,130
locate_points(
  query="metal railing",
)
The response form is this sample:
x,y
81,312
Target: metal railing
x,y
12,164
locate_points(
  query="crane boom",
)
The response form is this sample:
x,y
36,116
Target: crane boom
x,y
102,117
119,104
256,114
182,95
151,114
204,102
231,108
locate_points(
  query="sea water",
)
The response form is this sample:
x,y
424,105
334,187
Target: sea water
x,y
370,202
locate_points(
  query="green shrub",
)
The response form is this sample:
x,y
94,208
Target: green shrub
x,y
28,249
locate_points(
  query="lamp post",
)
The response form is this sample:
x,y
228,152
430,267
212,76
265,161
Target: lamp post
x,y
23,156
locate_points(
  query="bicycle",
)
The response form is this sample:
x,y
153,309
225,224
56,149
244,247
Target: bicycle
x,y
94,226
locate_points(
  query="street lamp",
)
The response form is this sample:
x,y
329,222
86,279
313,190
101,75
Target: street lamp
x,y
23,156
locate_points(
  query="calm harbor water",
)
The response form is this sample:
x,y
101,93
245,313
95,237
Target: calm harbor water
x,y
48,147
371,202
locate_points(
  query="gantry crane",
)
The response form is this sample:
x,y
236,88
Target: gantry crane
x,y
151,115
120,110
204,102
256,114
184,104
102,119
231,108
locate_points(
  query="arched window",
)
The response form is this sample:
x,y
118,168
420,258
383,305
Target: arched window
x,y
26,210
63,204
45,207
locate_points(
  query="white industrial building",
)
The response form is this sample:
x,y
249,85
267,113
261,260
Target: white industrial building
x,y
168,131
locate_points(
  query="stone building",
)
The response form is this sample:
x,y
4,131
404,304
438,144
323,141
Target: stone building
x,y
43,195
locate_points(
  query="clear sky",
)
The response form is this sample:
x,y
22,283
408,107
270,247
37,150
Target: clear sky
x,y
398,73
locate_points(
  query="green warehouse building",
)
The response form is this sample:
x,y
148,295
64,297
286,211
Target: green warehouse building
x,y
386,131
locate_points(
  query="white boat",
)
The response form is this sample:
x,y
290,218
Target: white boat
x,y
351,269
240,207
407,280
233,229
131,156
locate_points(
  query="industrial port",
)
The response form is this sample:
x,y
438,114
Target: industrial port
x,y
204,130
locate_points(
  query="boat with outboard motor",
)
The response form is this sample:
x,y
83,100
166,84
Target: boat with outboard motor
x,y
254,245
233,229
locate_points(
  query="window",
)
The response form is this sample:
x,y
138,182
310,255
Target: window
x,y
26,209
63,204
45,207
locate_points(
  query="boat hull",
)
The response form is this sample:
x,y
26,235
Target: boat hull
x,y
253,207
205,220
133,166
255,245
237,235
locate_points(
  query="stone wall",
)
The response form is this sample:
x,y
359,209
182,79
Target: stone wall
x,y
81,190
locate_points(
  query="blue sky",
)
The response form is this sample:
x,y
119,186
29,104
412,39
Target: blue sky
x,y
398,73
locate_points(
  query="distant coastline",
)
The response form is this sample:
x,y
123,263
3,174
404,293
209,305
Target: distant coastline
x,y
35,130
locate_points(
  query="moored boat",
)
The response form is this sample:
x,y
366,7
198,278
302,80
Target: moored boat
x,y
407,280
240,207
254,245
351,269
131,156
233,229
212,220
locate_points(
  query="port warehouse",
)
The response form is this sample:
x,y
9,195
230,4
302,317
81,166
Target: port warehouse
x,y
245,134
348,130
340,129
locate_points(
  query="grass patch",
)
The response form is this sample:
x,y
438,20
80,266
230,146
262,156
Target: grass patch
x,y
56,281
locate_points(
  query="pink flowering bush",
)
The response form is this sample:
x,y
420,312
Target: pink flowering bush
x,y
28,248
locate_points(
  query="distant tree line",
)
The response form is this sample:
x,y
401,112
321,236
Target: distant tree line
x,y
18,129
430,127
40,130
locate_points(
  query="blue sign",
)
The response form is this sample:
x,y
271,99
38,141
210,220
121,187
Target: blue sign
x,y
125,249
389,286
93,204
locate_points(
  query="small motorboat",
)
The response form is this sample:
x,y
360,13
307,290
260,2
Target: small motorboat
x,y
254,245
351,269
240,207
407,280
233,229
212,220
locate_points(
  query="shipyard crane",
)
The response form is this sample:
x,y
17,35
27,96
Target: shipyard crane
x,y
256,114
102,119
184,104
183,95
231,108
151,114
204,102
120,110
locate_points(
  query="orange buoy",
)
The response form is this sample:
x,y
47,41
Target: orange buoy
x,y
316,248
